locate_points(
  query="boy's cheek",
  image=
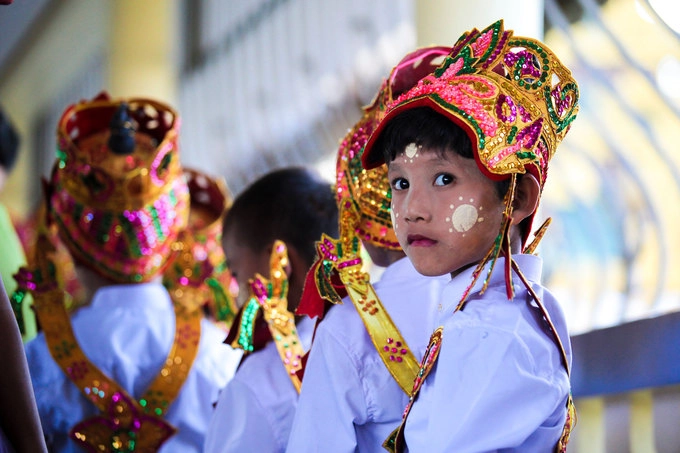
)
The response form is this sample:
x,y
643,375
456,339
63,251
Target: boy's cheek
x,y
394,214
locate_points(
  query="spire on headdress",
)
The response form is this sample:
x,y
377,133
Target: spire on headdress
x,y
122,139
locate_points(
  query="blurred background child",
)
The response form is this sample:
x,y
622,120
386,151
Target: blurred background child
x,y
286,209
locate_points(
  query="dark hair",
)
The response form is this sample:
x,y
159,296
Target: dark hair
x,y
430,129
9,143
292,204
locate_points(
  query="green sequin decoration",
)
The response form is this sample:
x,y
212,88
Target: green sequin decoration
x,y
223,306
156,223
247,327
129,231
17,300
62,157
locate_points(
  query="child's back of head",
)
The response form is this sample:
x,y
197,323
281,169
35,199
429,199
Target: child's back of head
x,y
294,205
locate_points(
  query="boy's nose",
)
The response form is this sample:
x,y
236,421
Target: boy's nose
x,y
417,207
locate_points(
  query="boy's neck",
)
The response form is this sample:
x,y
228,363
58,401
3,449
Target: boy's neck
x,y
93,281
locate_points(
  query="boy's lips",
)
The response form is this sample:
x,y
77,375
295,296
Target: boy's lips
x,y
418,240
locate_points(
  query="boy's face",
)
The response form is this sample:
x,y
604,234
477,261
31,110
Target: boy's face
x,y
243,263
445,212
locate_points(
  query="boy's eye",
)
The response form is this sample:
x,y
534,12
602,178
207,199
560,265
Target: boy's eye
x,y
399,184
443,179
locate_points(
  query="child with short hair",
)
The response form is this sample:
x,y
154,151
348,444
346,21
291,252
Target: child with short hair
x,y
269,240
468,151
134,368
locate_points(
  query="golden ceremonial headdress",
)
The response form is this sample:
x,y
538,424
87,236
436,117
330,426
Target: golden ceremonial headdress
x,y
368,192
512,96
118,193
198,276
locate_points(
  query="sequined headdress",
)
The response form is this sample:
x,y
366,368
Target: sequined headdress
x,y
198,277
118,194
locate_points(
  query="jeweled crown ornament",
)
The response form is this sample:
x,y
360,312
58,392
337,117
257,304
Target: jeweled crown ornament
x,y
199,277
368,192
118,193
512,96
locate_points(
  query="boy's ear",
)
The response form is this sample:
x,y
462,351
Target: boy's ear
x,y
527,196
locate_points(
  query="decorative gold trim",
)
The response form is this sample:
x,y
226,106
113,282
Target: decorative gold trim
x,y
270,296
342,256
139,423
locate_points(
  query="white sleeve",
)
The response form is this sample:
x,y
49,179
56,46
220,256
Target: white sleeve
x,y
332,399
485,393
239,423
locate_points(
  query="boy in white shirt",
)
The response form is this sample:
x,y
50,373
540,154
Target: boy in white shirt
x,y
468,151
269,236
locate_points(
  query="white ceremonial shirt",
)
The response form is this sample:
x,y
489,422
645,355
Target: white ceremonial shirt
x,y
127,332
349,400
255,411
499,383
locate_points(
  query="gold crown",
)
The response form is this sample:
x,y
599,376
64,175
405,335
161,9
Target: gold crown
x,y
198,276
118,188
97,175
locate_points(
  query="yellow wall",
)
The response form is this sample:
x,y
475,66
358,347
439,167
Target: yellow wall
x,y
137,40
76,31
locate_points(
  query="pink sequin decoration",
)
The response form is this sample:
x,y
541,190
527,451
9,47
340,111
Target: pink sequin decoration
x,y
481,44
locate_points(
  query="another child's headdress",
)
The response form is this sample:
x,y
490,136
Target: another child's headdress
x,y
198,276
118,192
511,95
368,192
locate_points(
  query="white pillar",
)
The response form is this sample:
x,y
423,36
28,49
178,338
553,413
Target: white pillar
x,y
441,22
143,46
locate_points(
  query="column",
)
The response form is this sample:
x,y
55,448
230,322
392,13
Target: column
x,y
144,54
441,22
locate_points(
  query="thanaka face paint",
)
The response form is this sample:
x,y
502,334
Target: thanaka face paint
x,y
464,216
411,152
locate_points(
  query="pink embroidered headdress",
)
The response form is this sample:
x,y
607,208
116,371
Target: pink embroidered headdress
x,y
511,95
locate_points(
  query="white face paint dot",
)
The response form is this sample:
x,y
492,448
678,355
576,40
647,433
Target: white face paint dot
x,y
464,218
471,200
411,150
460,198
450,206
